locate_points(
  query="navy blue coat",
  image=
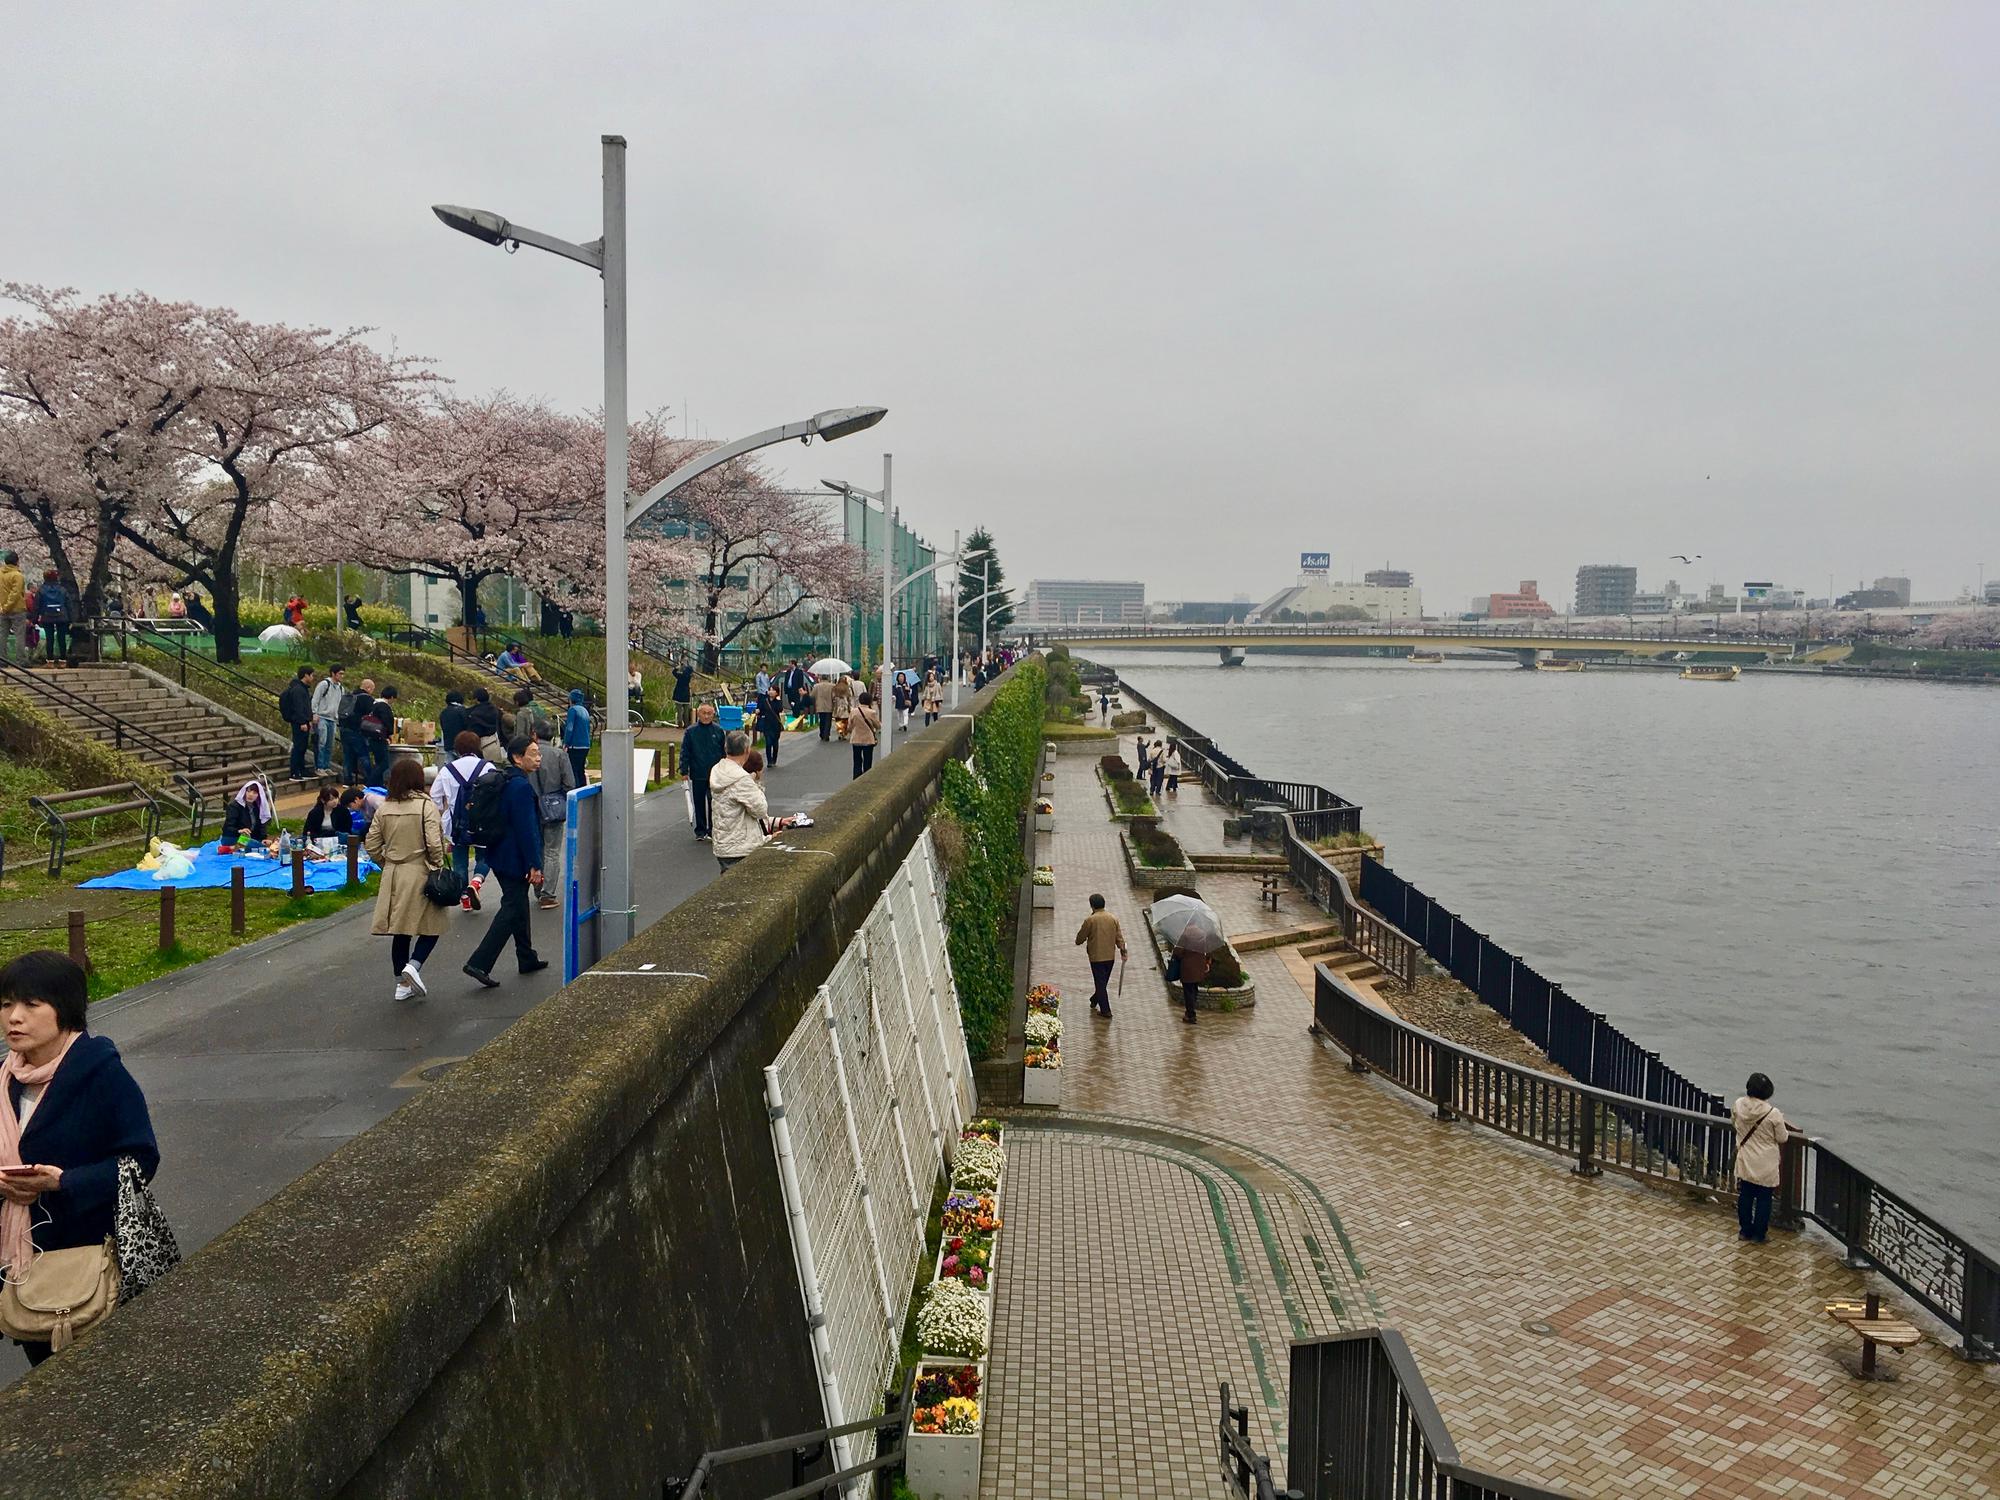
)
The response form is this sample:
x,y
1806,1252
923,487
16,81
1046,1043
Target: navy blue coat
x,y
91,1114
520,848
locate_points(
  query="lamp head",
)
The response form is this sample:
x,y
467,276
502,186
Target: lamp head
x,y
838,486
477,222
846,420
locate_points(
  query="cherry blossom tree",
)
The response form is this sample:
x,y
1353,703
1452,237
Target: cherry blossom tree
x,y
1962,630
87,392
277,414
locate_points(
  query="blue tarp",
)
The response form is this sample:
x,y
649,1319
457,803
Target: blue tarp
x,y
212,870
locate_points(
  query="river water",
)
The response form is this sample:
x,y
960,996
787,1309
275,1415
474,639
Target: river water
x,y
1798,875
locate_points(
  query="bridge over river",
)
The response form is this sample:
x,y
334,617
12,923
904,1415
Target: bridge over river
x,y
1525,639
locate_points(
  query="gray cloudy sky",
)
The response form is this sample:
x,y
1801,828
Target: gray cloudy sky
x,y
1165,291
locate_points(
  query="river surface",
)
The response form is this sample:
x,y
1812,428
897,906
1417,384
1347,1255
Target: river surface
x,y
1787,874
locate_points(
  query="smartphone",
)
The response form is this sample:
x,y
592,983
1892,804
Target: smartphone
x,y
17,1171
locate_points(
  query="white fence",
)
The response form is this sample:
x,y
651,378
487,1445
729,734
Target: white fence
x,y
867,1098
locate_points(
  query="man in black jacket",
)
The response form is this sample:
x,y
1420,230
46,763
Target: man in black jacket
x,y
295,703
701,753
377,730
683,692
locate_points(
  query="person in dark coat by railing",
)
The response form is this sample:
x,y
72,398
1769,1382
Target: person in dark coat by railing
x,y
68,1111
295,706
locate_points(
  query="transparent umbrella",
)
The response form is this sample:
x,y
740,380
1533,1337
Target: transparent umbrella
x,y
1187,922
829,666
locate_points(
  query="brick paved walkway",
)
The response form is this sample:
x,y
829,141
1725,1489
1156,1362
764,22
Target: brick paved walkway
x,y
1211,1191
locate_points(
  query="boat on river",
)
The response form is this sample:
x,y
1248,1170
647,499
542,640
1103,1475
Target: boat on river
x,y
1710,672
1426,658
1559,664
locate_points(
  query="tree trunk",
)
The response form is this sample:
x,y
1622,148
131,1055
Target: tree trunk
x,y
228,596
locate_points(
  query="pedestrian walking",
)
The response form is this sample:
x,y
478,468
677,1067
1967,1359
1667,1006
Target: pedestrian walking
x,y
1189,967
901,700
862,725
1156,769
1174,769
515,854
1103,704
701,753
295,708
844,688
482,717
13,610
407,839
325,706
683,695
451,719
822,702
61,1147
771,721
933,697
1102,941
554,781
531,718
1760,1147
449,790
576,734
55,612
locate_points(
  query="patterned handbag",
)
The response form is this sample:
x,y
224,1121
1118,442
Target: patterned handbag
x,y
141,1235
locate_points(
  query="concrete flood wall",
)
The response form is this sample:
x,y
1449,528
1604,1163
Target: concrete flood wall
x,y
564,1269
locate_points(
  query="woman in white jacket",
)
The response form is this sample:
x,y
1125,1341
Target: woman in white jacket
x,y
1760,1147
739,814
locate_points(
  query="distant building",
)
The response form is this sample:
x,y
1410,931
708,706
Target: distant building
x,y
1993,591
1870,599
1900,587
1318,596
1525,604
1388,578
1084,601
1605,589
1210,612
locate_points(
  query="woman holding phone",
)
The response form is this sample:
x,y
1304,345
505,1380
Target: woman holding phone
x,y
68,1112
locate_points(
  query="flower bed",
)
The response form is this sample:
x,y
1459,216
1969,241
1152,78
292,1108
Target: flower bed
x,y
1045,998
1041,1072
967,1258
971,1213
941,1454
1045,815
1045,888
1177,873
955,1321
1123,792
977,1163
1043,1030
1211,995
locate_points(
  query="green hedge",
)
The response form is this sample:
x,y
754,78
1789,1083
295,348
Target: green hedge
x,y
37,738
987,804
254,614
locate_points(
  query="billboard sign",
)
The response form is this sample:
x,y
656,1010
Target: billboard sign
x,y
1757,590
1315,562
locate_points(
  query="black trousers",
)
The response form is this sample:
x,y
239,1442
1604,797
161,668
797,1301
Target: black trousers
x,y
401,953
353,754
513,920
55,640
1100,976
1188,992
1753,1209
771,745
864,757
577,756
699,787
301,746
826,726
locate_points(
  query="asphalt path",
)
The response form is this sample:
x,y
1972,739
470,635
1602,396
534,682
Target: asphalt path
x,y
259,1063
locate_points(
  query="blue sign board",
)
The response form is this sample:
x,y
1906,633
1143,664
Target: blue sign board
x,y
1315,562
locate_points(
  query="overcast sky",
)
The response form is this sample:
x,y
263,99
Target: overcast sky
x,y
1485,290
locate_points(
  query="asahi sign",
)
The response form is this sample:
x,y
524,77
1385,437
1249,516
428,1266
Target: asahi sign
x,y
1316,562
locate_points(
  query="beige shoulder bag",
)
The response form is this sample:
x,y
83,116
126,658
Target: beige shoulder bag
x,y
62,1293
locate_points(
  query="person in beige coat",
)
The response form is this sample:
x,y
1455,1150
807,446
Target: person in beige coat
x,y
1760,1147
823,702
406,838
861,731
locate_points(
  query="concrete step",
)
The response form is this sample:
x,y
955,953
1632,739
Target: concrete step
x,y
1335,944
1286,937
1239,862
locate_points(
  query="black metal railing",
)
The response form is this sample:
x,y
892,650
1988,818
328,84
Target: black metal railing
x,y
1363,1426
121,732
1600,1130
188,663
1246,1471
1505,636
891,1432
119,799
550,687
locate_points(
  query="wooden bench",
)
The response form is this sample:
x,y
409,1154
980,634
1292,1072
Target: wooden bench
x,y
1269,888
1866,1322
60,809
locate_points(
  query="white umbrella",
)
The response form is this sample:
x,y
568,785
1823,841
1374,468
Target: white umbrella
x,y
829,666
1186,922
275,635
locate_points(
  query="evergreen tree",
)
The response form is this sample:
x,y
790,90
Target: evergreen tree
x,y
980,569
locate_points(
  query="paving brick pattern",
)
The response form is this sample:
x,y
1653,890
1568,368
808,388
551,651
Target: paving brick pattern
x,y
1676,1361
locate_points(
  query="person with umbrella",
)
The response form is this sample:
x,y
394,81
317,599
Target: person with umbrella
x,y
1192,926
826,674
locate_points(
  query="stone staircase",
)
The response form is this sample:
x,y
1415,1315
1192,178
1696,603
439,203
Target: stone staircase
x,y
1238,863
1343,960
162,725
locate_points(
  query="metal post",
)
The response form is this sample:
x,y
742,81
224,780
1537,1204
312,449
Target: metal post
x,y
166,918
955,570
985,604
616,914
79,951
888,603
354,859
298,874
236,900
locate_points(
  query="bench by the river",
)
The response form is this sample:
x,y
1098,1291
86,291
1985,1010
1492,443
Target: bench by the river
x,y
1865,1321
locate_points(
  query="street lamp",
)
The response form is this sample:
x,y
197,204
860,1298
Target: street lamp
x,y
606,255
855,492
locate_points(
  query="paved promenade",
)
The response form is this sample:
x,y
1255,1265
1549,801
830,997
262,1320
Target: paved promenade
x,y
261,1062
1210,1192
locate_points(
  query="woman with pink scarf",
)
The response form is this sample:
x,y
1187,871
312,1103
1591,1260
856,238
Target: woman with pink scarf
x,y
68,1111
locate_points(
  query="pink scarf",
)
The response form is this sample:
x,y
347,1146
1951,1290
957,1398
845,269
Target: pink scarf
x,y
17,1244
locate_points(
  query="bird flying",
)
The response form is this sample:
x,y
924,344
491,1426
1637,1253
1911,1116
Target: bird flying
x,y
1679,557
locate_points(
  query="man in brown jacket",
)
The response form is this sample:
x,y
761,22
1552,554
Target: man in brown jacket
x,y
1101,939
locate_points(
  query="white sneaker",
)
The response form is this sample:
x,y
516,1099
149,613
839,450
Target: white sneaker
x,y
413,977
403,992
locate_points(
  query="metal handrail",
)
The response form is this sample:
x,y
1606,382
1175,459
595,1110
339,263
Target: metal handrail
x,y
136,799
1508,634
1361,1421
1665,1144
122,730
806,1449
176,647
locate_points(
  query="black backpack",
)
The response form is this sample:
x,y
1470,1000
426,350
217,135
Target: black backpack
x,y
481,818
458,827
349,715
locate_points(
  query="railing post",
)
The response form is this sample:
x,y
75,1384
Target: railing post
x,y
1586,1139
354,859
79,952
1790,1209
1444,1081
236,900
167,938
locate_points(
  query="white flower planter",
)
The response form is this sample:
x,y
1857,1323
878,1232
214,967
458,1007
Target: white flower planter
x,y
1042,1086
1045,822
1045,898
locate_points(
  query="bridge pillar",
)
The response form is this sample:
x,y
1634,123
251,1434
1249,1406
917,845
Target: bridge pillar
x,y
1232,656
1527,657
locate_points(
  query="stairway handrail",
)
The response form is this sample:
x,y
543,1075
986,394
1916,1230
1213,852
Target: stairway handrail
x,y
122,729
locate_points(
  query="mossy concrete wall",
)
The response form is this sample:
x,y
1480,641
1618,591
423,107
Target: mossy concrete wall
x,y
562,1270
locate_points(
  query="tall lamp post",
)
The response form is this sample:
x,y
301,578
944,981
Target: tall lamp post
x,y
606,256
881,498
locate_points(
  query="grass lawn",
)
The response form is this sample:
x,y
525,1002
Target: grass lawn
x,y
1056,731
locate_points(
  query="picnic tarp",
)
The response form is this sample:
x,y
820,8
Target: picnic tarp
x,y
212,870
